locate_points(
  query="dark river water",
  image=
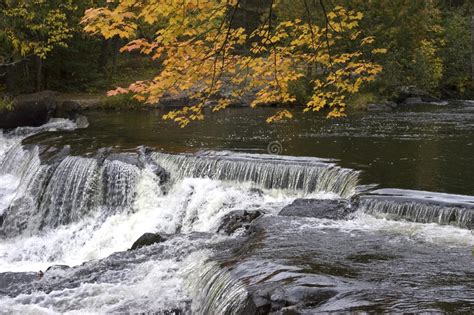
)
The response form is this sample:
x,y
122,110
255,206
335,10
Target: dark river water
x,y
429,148
254,218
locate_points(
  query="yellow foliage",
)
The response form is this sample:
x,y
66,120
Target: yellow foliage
x,y
44,26
199,54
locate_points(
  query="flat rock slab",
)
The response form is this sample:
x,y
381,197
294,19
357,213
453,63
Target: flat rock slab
x,y
318,208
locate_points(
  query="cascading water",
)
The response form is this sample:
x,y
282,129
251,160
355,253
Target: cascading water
x,y
119,181
69,195
86,211
419,206
295,174
215,290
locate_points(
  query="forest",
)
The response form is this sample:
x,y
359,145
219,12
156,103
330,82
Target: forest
x,y
318,54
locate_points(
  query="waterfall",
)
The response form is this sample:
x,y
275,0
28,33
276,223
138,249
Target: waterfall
x,y
17,160
215,290
419,206
46,196
270,172
70,193
119,182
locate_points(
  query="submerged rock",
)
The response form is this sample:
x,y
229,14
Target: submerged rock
x,y
148,239
238,219
317,208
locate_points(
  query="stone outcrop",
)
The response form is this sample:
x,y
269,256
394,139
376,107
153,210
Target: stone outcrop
x,y
29,110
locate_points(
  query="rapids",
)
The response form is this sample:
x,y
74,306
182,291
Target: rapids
x,y
397,251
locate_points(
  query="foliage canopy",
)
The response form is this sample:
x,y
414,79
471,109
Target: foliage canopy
x,y
202,54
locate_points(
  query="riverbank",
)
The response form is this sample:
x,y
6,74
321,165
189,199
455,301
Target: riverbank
x,y
37,108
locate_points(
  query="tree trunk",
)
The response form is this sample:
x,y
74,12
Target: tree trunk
x,y
39,73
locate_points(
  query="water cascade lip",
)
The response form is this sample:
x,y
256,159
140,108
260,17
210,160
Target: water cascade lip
x,y
420,206
303,174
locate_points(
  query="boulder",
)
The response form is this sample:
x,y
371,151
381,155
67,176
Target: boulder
x,y
81,122
414,100
411,95
318,208
169,101
29,110
404,92
238,219
148,239
68,109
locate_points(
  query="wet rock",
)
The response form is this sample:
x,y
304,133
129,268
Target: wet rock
x,y
317,208
57,268
174,100
413,101
378,108
291,299
146,160
12,282
102,154
429,100
82,122
411,95
129,158
405,92
53,155
68,109
238,219
386,106
148,239
29,110
175,311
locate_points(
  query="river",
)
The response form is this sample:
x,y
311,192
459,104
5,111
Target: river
x,y
400,240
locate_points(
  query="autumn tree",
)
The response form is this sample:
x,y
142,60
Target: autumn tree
x,y
33,28
199,51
